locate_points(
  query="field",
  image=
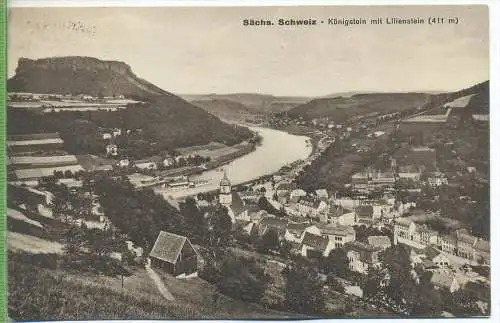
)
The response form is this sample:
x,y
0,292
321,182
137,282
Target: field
x,y
27,243
46,171
91,162
461,102
34,136
213,150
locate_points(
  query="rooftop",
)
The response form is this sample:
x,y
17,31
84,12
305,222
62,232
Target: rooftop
x,y
379,241
317,242
338,230
168,246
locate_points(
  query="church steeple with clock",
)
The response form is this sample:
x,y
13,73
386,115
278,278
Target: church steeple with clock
x,y
225,195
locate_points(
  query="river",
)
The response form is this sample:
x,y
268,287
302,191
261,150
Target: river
x,y
278,148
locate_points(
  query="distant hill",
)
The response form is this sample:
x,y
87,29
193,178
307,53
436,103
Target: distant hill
x,y
165,116
479,103
352,93
340,108
259,103
225,109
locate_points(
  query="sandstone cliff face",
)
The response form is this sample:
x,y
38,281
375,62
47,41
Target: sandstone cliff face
x,y
74,63
80,75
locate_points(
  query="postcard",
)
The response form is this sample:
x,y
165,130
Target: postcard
x,y
248,162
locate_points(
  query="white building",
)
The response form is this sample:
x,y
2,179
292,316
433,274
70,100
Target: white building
x,y
123,163
112,150
361,256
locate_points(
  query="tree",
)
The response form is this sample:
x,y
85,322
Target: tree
x,y
270,241
81,205
303,290
61,205
429,301
220,227
196,226
336,263
243,279
401,286
75,240
373,282
285,248
335,283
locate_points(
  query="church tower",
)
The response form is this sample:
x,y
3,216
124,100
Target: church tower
x,y
225,196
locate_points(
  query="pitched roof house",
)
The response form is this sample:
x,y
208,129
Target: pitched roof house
x,y
446,280
295,231
310,207
338,215
313,244
361,256
174,254
364,214
382,242
272,223
322,194
482,251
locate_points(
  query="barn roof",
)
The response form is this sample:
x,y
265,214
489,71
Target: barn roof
x,y
168,246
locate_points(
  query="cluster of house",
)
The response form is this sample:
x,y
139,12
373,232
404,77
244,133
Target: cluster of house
x,y
319,239
408,163
25,96
152,163
458,260
344,211
320,227
322,224
459,244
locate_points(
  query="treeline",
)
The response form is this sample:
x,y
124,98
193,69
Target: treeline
x,y
166,130
142,214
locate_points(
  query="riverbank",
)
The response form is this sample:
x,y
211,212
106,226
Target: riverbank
x,y
297,130
277,149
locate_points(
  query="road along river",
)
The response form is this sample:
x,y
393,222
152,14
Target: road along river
x,y
278,148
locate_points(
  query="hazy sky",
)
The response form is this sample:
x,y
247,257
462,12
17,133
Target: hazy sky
x,y
208,50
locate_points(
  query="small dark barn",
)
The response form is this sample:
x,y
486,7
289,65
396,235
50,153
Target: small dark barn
x,y
174,254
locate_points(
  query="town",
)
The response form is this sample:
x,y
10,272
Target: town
x,y
389,208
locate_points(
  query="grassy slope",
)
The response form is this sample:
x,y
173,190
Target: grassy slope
x,y
40,293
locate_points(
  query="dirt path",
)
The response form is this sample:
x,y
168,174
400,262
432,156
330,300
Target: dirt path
x,y
159,284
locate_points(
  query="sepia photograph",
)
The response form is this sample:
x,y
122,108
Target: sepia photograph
x,y
248,162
